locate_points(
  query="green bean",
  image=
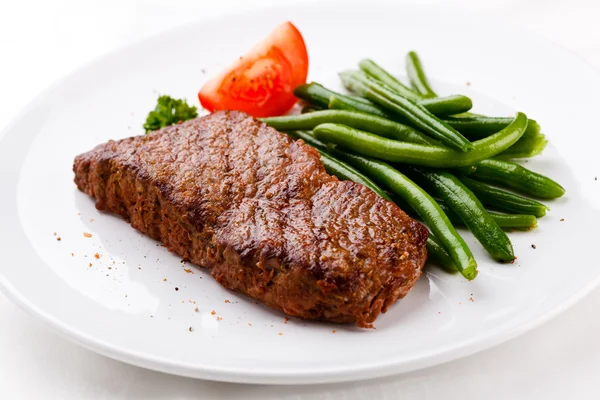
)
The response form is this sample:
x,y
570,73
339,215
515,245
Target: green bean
x,y
475,128
505,221
310,108
470,210
439,256
503,200
423,203
314,93
346,173
514,221
526,147
478,127
355,98
319,96
373,70
416,75
448,105
338,168
452,216
466,170
417,115
517,178
531,144
419,154
350,103
377,125
439,106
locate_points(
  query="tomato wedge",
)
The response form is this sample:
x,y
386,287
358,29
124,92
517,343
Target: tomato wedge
x,y
262,81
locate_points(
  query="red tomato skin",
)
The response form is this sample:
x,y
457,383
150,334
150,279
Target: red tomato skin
x,y
261,83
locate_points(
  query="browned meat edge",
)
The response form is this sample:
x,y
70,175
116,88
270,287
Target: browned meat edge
x,y
233,195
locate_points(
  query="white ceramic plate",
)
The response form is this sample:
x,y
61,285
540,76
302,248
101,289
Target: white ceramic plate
x,y
125,304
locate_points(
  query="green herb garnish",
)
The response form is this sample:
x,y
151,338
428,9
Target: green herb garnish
x,y
169,111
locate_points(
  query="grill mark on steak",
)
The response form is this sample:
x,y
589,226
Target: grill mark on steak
x,y
258,209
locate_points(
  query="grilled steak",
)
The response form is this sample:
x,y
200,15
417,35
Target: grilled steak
x,y
231,194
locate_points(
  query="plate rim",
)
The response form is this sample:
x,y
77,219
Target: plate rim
x,y
250,376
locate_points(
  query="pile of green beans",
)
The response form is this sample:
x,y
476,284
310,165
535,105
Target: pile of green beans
x,y
436,160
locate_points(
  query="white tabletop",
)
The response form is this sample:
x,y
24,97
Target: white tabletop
x,y
40,41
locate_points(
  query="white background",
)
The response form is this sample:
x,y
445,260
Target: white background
x,y
41,41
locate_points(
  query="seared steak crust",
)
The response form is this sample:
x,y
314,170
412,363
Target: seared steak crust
x,y
231,194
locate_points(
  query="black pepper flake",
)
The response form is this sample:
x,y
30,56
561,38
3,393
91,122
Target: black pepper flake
x,y
176,289
191,329
562,219
533,246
